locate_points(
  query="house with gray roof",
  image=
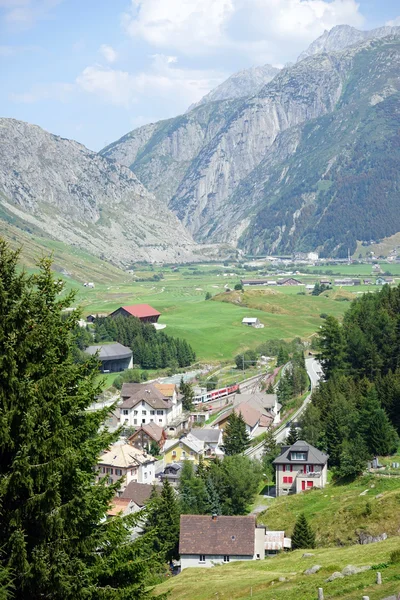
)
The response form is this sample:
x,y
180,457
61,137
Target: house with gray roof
x,y
211,437
113,357
299,468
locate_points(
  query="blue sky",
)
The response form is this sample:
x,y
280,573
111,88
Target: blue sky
x,y
92,70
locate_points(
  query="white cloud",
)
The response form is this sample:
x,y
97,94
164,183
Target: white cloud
x,y
23,14
164,80
272,30
191,26
394,22
44,91
108,53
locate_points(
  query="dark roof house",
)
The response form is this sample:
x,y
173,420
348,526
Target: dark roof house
x,y
113,357
301,453
139,493
222,535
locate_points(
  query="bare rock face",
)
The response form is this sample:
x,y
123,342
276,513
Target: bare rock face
x,y
271,172
77,196
240,85
343,36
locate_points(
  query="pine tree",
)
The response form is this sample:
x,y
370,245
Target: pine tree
x,y
283,357
236,438
293,435
332,347
214,504
186,389
162,522
270,389
303,536
54,539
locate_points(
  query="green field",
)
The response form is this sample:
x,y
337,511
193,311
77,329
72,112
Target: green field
x,y
260,579
214,327
338,512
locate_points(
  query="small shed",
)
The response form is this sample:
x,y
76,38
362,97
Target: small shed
x,y
252,322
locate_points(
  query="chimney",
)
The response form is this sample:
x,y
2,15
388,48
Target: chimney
x,y
214,517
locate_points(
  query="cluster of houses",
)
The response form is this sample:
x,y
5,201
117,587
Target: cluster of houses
x,y
154,423
271,282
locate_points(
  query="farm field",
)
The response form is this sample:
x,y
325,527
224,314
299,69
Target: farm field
x,y
259,580
214,328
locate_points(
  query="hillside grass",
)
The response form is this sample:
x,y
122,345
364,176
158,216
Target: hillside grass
x,y
338,512
260,579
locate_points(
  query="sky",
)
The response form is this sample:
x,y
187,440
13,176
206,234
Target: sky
x,y
92,70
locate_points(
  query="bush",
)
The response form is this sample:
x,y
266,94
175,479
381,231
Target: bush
x,y
323,316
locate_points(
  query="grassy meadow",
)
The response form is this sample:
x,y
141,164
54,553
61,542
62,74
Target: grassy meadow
x,y
338,512
214,327
259,580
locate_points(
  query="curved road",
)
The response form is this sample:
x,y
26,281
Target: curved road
x,y
314,372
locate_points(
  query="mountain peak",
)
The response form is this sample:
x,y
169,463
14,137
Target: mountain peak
x,y
341,36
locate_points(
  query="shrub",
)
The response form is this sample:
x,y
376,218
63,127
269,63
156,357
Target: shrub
x,y
395,556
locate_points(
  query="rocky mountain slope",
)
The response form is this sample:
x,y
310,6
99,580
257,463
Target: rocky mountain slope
x,y
272,172
343,36
244,83
59,188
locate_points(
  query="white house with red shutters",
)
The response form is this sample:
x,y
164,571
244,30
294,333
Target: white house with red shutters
x,y
300,467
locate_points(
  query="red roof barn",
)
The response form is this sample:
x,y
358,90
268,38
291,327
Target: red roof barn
x,y
144,312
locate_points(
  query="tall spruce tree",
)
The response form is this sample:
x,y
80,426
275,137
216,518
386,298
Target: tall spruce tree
x,y
293,435
303,536
332,347
53,535
236,438
162,522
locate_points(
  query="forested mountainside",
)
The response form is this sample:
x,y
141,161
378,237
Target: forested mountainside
x,y
61,189
244,83
307,163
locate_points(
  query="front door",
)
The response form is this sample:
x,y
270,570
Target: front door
x,y
303,485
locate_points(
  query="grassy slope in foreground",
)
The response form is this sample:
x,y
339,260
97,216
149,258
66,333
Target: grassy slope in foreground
x,y
236,580
338,512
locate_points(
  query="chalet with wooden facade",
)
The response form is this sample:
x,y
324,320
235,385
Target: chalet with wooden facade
x,y
143,312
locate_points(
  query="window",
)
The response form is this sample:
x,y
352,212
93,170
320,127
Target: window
x,y
298,456
160,412
145,475
151,420
118,472
109,470
125,412
191,453
135,412
160,420
309,468
173,452
135,421
226,558
143,421
183,454
103,470
142,402
144,412
310,484
288,480
152,412
257,556
202,558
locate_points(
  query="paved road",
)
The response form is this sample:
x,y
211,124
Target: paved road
x,y
314,373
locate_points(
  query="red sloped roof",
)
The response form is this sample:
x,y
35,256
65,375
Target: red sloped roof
x,y
141,310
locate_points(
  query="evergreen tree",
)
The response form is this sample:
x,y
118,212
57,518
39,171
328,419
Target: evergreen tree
x,y
186,389
293,435
332,347
162,522
311,426
271,451
270,389
213,500
302,536
236,438
285,390
54,539
353,457
283,357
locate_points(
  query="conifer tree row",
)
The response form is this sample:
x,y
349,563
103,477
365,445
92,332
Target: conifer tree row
x,y
54,539
151,349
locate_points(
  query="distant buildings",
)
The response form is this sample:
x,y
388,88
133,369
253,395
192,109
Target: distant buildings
x,y
113,357
252,322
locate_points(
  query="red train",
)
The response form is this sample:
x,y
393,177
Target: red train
x,y
215,394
